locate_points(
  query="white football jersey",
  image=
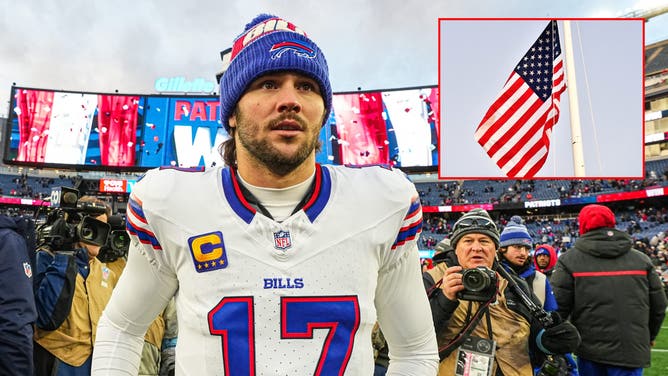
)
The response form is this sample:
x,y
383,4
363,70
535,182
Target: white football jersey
x,y
259,297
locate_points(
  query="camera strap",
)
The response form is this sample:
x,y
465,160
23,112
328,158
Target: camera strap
x,y
456,341
487,316
536,311
489,323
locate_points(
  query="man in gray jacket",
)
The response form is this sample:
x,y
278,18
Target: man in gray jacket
x,y
612,294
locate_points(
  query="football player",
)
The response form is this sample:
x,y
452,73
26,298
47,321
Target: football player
x,y
278,265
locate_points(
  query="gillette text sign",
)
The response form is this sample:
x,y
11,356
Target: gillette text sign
x,y
181,85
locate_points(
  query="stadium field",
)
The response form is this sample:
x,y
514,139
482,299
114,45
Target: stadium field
x,y
660,354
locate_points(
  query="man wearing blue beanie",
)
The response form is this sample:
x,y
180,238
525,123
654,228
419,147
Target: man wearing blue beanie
x,y
267,46
515,245
282,266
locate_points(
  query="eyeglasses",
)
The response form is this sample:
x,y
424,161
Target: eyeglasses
x,y
475,221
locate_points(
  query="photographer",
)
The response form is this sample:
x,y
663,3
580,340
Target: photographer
x,y
114,255
72,289
486,325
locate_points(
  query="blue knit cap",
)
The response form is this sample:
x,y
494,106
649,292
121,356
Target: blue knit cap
x,y
515,233
270,44
542,251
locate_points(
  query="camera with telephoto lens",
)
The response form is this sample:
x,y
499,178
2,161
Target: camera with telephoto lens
x,y
479,284
118,242
70,221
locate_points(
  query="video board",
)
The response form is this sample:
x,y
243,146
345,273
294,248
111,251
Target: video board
x,y
103,131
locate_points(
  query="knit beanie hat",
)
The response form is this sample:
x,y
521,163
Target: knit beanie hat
x,y
475,221
515,233
595,216
269,44
543,250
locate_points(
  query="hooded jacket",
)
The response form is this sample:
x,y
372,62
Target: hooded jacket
x,y
553,259
613,296
17,303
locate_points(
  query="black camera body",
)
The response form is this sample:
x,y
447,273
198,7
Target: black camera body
x,y
71,221
480,284
118,242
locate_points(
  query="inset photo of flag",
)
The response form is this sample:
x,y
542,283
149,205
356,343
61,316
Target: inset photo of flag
x,y
541,98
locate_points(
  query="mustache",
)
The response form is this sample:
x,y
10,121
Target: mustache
x,y
289,116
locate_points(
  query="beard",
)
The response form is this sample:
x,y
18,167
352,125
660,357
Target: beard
x,y
263,151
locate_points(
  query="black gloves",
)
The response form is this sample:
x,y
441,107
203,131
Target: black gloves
x,y
560,338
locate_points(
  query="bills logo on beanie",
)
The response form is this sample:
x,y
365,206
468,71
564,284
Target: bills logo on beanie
x,y
270,44
295,46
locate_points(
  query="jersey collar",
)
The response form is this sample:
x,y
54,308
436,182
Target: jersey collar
x,y
313,204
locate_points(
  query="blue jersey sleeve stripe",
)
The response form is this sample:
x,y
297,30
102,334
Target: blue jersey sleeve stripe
x,y
144,236
136,208
413,210
407,234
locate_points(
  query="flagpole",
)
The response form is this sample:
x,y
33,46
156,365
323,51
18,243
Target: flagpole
x,y
576,133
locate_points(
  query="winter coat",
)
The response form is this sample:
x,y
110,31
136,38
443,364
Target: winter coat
x,y
613,296
17,303
513,326
71,293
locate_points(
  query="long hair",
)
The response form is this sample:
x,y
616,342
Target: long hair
x,y
228,150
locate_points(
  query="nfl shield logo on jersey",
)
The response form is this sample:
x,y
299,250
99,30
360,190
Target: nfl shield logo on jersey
x,y
27,269
282,240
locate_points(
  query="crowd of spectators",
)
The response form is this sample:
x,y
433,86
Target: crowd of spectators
x,y
512,191
488,192
563,228
436,193
33,187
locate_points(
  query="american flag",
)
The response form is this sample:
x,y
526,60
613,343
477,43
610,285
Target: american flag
x,y
516,129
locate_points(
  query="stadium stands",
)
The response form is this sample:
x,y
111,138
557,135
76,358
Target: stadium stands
x,y
656,60
494,191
